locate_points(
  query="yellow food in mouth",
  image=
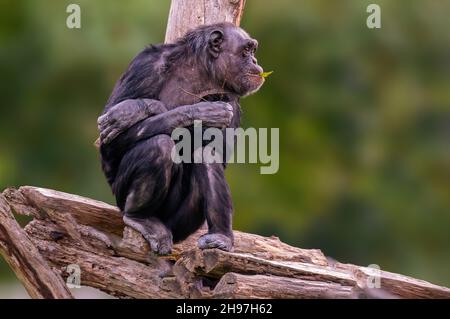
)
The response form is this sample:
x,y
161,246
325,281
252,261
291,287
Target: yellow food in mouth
x,y
265,74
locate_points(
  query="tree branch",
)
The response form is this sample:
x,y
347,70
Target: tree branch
x,y
25,260
117,260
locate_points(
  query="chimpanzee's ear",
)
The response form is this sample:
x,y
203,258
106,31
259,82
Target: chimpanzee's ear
x,y
215,41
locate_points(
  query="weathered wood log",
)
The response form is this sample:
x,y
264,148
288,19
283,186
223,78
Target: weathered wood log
x,y
394,284
87,212
187,14
233,285
215,263
117,276
24,259
69,229
108,219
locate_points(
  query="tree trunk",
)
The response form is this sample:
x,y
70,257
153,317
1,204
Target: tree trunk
x,y
188,14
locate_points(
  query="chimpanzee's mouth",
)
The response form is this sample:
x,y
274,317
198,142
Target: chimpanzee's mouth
x,y
256,79
254,74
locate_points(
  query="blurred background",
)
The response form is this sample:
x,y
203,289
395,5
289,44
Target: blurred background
x,y
364,118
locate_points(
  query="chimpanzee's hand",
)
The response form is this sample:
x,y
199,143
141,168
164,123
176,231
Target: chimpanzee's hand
x,y
124,115
214,114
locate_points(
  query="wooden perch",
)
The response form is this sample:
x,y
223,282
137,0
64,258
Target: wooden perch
x,y
187,14
22,256
72,230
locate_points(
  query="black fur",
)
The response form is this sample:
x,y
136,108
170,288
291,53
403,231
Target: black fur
x,y
168,86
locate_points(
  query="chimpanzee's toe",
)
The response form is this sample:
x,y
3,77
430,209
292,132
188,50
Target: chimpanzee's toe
x,y
161,245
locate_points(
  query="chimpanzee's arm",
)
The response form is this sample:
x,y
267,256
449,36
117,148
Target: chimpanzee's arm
x,y
212,114
124,115
146,118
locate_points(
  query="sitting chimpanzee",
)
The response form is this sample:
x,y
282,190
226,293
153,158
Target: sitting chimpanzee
x,y
200,77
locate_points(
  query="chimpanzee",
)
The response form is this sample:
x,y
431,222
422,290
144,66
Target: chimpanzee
x,y
200,77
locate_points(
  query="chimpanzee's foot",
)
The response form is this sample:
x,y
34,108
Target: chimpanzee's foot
x,y
154,231
159,245
216,240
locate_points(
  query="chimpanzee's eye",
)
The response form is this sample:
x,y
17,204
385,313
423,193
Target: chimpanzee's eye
x,y
249,50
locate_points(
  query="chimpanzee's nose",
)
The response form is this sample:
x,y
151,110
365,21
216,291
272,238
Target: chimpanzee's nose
x,y
254,60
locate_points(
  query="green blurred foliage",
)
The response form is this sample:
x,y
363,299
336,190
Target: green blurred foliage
x,y
364,118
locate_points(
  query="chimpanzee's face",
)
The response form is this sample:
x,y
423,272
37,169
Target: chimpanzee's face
x,y
235,61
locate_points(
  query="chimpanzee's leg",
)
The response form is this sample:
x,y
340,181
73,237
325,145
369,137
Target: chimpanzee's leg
x,y
141,186
218,209
185,204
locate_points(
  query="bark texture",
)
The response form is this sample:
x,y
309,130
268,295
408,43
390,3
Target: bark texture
x,y
73,230
30,267
187,14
